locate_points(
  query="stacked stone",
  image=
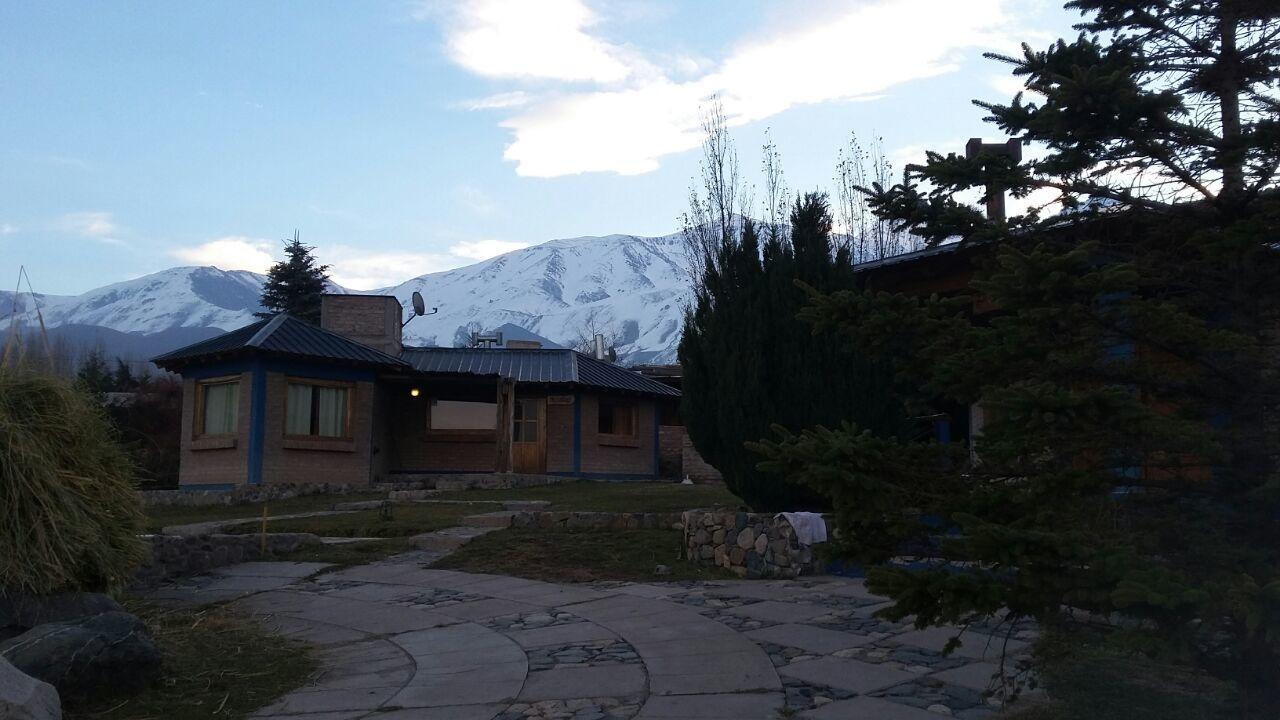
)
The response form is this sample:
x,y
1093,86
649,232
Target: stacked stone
x,y
178,555
243,494
752,545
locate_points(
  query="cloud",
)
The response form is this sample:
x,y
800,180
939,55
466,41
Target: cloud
x,y
484,249
359,269
235,252
499,101
1007,86
537,40
100,226
475,199
8,229
643,109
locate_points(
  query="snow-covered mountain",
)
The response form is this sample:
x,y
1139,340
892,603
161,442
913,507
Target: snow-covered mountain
x,y
633,288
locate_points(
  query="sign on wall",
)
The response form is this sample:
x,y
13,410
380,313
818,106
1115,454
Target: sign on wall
x,y
559,399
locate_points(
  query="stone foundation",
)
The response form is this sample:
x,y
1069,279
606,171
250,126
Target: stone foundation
x,y
752,545
177,555
549,519
244,494
411,486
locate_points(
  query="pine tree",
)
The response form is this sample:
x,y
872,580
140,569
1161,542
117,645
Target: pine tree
x,y
1132,346
294,285
93,375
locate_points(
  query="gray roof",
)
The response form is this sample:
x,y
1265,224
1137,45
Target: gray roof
x,y
545,366
281,334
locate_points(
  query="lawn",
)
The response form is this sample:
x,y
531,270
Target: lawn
x,y
217,664
579,555
160,517
611,496
403,520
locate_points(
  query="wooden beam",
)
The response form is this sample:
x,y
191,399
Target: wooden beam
x,y
506,414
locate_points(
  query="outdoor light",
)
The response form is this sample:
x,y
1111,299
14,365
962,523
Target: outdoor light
x,y
414,392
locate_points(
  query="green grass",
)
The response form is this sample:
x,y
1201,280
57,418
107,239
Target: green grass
x,y
217,664
405,519
1086,679
611,496
579,555
161,517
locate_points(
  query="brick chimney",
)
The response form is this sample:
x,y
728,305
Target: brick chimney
x,y
370,319
995,195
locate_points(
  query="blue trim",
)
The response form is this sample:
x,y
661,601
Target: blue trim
x,y
281,365
657,436
577,433
234,367
257,422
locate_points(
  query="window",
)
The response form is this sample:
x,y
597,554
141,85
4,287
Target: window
x,y
617,417
318,409
463,415
218,407
524,423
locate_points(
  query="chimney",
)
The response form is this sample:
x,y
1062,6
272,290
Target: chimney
x,y
995,195
523,345
599,346
373,320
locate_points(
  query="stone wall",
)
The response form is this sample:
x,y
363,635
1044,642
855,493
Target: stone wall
x,y
548,519
750,545
175,556
245,494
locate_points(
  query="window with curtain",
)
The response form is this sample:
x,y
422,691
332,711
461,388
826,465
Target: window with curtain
x,y
319,410
617,417
463,415
219,407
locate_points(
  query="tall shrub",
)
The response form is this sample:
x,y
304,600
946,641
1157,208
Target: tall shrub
x,y
69,515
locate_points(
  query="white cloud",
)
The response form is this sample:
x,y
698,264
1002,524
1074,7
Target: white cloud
x,y
1007,86
484,249
359,269
498,101
476,200
235,252
521,39
100,226
642,112
8,229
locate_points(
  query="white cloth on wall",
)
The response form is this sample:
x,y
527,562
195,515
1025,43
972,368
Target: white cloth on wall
x,y
810,527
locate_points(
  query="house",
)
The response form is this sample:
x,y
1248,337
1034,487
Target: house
x,y
283,400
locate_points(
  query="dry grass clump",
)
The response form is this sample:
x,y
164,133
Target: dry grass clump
x,y
69,515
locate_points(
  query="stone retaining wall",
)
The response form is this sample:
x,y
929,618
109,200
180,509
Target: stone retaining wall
x,y
245,494
177,555
750,545
548,519
464,481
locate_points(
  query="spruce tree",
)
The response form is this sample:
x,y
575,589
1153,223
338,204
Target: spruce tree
x,y
1128,374
295,284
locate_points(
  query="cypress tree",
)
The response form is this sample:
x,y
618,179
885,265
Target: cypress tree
x,y
1128,375
295,284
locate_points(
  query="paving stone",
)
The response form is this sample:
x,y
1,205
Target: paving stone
x,y
484,609
461,688
448,712
739,706
783,612
580,682
973,645
737,680
851,675
560,634
324,701
814,639
271,569
975,676
868,708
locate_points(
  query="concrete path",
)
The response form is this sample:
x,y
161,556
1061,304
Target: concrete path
x,y
398,640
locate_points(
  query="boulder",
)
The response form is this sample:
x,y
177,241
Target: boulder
x,y
23,697
27,611
80,656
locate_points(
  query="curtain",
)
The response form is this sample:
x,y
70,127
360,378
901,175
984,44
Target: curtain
x,y
332,415
298,410
221,408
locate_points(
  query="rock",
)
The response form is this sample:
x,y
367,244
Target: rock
x,y
762,542
939,708
79,656
28,611
717,537
820,700
746,539
23,697
662,570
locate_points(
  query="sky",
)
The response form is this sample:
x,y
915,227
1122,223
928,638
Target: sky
x,y
401,138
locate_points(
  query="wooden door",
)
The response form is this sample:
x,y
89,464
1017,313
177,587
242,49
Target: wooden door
x,y
528,436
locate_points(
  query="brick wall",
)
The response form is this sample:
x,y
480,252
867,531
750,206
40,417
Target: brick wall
x,y
410,449
370,319
599,456
559,437
694,467
331,460
208,461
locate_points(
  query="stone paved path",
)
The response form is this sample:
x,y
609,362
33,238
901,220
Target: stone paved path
x,y
399,640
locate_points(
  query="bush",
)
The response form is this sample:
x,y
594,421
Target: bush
x,y
69,515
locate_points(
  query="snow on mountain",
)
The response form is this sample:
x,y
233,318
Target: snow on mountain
x,y
633,288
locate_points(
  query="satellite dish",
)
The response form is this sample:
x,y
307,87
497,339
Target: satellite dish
x,y
419,307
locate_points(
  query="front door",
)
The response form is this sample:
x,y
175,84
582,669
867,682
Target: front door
x,y
528,436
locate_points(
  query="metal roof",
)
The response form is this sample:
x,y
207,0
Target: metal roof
x,y
281,334
545,366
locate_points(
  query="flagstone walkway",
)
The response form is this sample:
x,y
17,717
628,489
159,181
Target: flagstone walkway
x,y
399,640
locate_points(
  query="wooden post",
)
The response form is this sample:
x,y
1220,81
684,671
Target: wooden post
x,y
506,414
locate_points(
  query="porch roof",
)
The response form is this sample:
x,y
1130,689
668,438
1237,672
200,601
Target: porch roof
x,y
545,366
